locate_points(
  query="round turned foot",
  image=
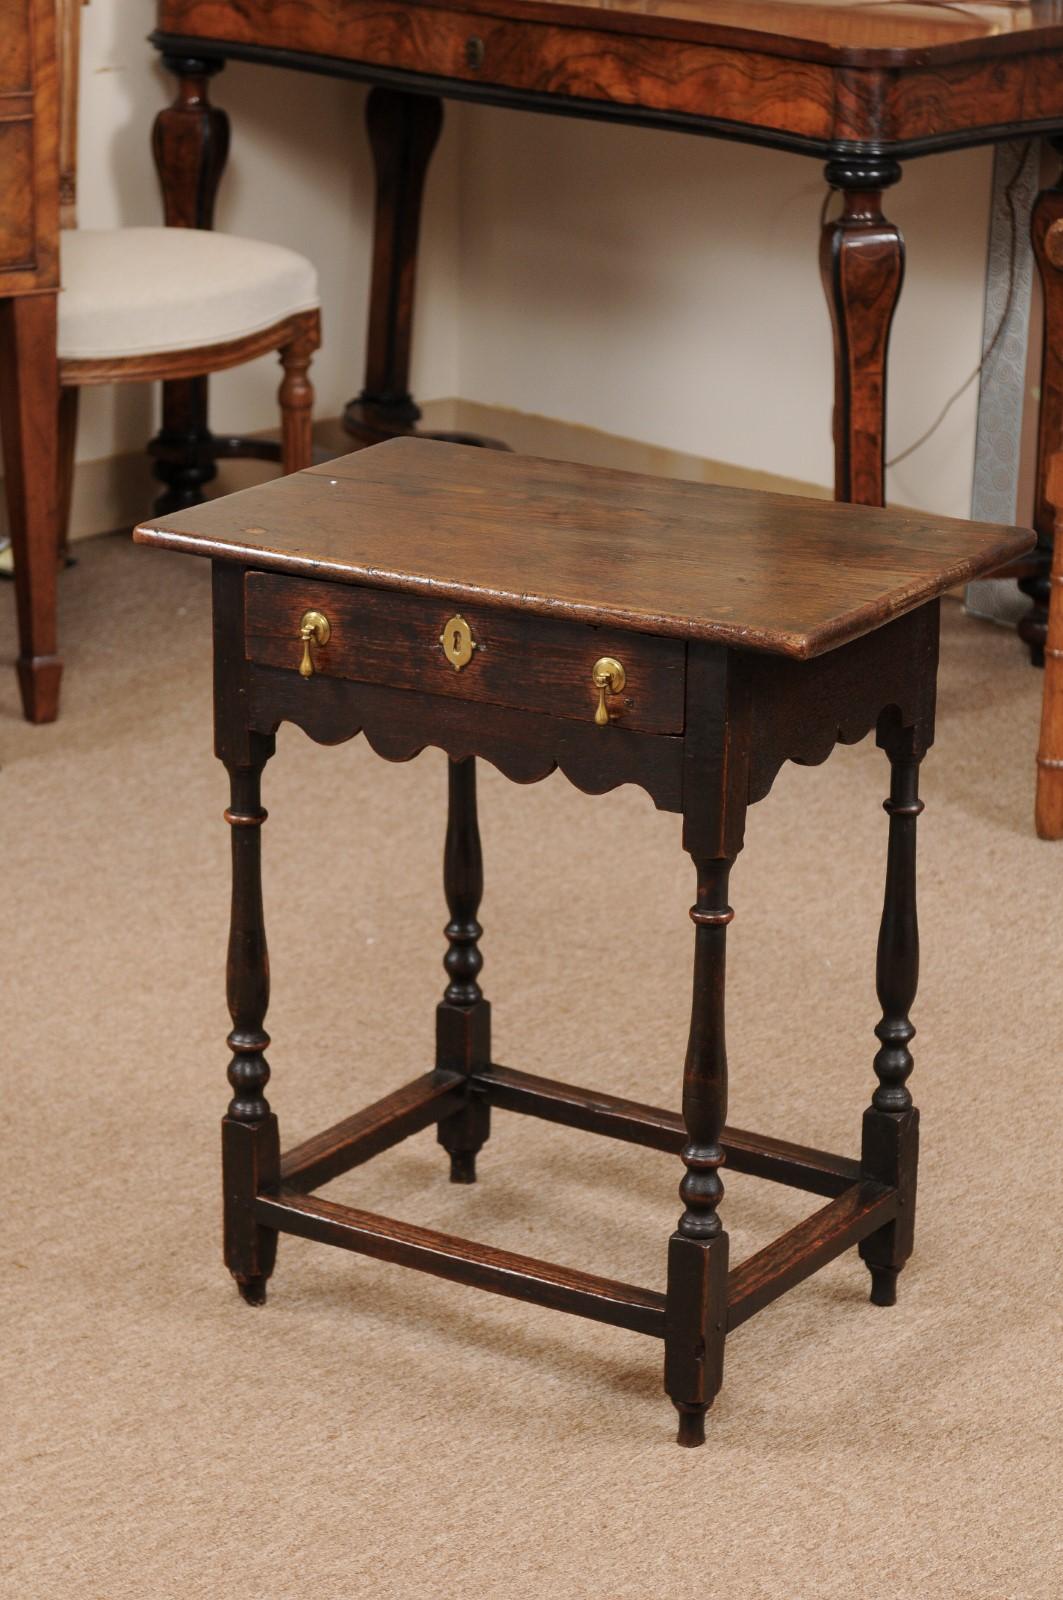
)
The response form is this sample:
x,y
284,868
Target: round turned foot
x,y
463,1166
884,1286
691,1425
253,1290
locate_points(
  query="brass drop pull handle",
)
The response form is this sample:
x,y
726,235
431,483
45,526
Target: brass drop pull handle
x,y
315,628
608,677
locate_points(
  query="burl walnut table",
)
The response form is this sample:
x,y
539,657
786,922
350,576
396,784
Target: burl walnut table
x,y
626,630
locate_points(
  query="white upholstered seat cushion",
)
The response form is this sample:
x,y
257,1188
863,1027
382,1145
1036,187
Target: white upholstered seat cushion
x,y
146,291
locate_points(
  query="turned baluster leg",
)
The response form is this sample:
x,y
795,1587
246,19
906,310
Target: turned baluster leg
x,y
296,397
862,266
250,1146
403,130
1046,229
696,1313
463,1017
1048,811
891,1123
190,142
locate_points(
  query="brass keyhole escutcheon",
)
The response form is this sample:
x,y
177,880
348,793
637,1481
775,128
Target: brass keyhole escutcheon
x,y
608,677
1054,243
314,627
458,642
474,53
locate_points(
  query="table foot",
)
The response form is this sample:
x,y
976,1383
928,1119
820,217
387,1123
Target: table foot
x,y
463,1166
38,681
884,1285
691,1432
252,1290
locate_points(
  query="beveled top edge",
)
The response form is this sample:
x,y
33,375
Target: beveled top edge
x,y
582,597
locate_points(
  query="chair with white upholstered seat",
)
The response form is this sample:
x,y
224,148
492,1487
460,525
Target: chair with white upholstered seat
x,y
174,303
139,304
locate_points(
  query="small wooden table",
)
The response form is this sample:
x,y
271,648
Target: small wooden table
x,y
627,630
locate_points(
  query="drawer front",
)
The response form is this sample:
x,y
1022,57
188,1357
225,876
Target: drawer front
x,y
732,83
527,662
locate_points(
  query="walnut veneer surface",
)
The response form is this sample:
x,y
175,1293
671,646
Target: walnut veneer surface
x,y
768,572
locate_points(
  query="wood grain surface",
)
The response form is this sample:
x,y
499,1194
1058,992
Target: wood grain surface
x,y
756,571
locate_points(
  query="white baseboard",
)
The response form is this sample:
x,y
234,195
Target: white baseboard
x,y
117,491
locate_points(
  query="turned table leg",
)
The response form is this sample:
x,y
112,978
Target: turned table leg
x,y
890,1148
1048,811
250,1145
696,1310
463,1016
862,266
403,130
1046,229
190,142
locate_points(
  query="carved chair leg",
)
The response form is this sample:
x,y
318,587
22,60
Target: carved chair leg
x,y
890,1148
862,266
250,1142
296,397
1049,804
29,397
463,1016
190,143
403,130
696,1310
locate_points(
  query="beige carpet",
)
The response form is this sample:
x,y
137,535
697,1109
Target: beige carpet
x,y
375,1433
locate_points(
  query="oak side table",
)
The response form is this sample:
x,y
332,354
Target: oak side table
x,y
627,630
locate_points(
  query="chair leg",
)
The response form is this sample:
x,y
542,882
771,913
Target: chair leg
x,y
68,433
296,397
29,397
1049,803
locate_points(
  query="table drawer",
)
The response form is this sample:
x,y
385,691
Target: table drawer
x,y
528,662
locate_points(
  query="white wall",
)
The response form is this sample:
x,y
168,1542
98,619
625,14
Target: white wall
x,y
666,288
653,285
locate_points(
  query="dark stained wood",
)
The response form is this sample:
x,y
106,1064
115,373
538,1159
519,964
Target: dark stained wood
x,y
862,266
250,1144
190,143
697,1251
745,712
403,131
787,1261
681,560
802,709
378,1127
891,1123
1048,811
1046,232
399,724
498,1271
463,1016
530,663
594,1112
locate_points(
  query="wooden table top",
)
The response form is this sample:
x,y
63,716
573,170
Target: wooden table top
x,y
851,29
757,571
814,76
